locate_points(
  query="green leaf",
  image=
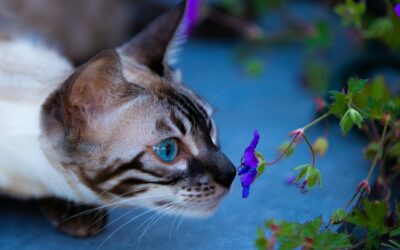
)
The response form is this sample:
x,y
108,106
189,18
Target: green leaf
x,y
376,212
390,37
261,164
261,240
371,217
328,240
254,67
311,228
371,150
394,150
356,117
312,176
339,105
316,75
379,27
356,85
373,241
350,118
301,174
302,166
351,12
395,232
321,37
346,123
338,216
293,235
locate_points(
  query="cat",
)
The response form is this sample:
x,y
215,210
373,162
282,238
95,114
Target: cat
x,y
122,129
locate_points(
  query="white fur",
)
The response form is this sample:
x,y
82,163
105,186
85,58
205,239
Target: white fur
x,y
28,73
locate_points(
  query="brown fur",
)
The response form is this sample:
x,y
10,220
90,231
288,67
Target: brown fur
x,y
101,124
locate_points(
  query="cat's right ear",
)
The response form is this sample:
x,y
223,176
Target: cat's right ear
x,y
92,90
154,47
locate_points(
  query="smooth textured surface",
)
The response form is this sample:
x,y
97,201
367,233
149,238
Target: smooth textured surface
x,y
275,103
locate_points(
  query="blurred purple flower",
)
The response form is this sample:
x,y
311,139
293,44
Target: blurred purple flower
x,y
249,164
290,179
397,9
193,13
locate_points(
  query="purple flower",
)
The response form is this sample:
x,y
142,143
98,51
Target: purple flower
x,y
290,179
192,17
397,9
248,168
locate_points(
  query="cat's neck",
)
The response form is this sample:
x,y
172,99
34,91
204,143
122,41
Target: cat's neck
x,y
26,79
24,170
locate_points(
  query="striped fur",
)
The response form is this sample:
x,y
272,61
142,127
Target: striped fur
x,y
99,127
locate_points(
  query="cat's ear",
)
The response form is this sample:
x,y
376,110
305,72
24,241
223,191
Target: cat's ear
x,y
155,46
94,87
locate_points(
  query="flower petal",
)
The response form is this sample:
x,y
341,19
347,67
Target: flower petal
x,y
249,156
192,14
246,180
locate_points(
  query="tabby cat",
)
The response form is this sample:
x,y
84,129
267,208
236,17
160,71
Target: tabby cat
x,y
121,129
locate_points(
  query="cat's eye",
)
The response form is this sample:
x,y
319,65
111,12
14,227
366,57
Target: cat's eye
x,y
166,150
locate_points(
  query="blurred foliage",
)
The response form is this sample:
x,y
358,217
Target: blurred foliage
x,y
368,105
291,235
374,218
254,66
256,7
360,103
351,12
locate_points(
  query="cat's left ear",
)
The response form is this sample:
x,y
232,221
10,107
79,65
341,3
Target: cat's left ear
x,y
155,46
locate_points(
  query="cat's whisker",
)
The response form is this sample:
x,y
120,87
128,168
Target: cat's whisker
x,y
121,216
172,225
223,91
113,204
129,221
153,222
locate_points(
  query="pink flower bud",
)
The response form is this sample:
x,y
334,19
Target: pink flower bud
x,y
320,103
298,133
363,185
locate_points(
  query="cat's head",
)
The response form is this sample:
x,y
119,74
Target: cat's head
x,y
124,129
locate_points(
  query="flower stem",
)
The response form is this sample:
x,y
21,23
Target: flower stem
x,y
380,151
319,119
309,125
282,154
373,165
311,149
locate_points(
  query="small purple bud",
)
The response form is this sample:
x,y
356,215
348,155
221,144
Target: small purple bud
x,y
193,13
290,179
397,9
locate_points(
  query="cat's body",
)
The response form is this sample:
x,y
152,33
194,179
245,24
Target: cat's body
x,y
28,74
121,129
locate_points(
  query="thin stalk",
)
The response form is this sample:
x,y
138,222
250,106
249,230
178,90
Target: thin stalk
x,y
379,153
373,165
322,117
281,155
311,149
309,125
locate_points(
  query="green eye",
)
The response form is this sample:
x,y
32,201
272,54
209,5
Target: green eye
x,y
166,150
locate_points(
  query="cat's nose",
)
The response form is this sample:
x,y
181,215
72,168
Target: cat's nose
x,y
225,170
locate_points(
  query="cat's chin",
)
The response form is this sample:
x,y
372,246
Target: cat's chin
x,y
195,211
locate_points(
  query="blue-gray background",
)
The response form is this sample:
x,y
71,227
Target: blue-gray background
x,y
274,103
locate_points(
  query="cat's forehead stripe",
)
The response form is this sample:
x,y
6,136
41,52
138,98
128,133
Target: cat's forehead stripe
x,y
178,123
193,112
